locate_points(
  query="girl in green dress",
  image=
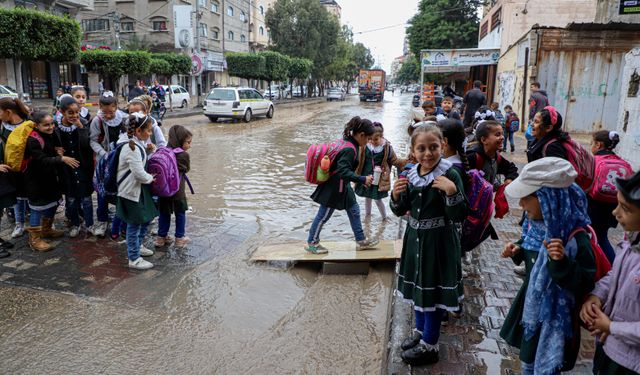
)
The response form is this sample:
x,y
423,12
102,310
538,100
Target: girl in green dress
x,y
134,204
430,275
377,153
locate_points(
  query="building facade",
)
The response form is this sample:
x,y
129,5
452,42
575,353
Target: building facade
x,y
40,78
333,7
258,33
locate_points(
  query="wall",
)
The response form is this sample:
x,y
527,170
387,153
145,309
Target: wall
x,y
238,27
510,80
629,112
607,11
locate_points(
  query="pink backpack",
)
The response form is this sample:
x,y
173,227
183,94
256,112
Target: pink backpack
x,y
316,153
608,168
580,158
164,166
479,193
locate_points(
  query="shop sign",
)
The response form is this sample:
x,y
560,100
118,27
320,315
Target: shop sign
x,y
183,26
629,6
214,62
434,60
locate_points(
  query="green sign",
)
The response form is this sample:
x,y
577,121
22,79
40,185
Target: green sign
x,y
629,6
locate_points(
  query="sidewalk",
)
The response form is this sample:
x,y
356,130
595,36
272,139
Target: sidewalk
x,y
472,344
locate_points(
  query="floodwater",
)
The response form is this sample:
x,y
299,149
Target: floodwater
x,y
225,314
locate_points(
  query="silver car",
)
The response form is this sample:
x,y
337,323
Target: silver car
x,y
336,93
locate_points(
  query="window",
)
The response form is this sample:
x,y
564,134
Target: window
x,y
202,3
95,25
243,16
215,7
256,95
261,30
215,33
159,25
230,11
202,30
127,26
261,10
243,38
496,18
230,35
484,30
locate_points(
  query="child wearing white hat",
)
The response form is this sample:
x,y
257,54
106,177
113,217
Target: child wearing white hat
x,y
560,267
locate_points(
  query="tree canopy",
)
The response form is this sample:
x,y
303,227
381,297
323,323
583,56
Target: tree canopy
x,y
245,65
443,24
410,70
276,66
27,34
115,64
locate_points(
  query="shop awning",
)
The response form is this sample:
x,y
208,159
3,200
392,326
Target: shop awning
x,y
456,60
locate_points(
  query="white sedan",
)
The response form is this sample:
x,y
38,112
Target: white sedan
x,y
336,93
179,96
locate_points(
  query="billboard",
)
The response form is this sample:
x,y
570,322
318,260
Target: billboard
x,y
452,60
183,26
629,6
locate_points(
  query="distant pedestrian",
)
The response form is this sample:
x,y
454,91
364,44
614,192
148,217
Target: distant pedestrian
x,y
537,102
336,193
473,100
135,91
430,273
135,205
180,142
159,90
511,125
56,100
100,87
612,312
560,267
378,154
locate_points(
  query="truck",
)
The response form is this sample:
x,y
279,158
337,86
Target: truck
x,y
371,84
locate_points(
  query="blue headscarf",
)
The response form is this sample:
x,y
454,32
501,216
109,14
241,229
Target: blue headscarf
x,y
547,306
533,232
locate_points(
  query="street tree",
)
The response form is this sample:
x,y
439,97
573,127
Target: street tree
x,y
115,64
276,67
31,35
180,63
409,71
299,69
160,66
245,65
443,24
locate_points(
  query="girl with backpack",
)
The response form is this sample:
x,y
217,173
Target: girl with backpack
x,y
548,135
105,129
78,180
143,103
612,311
560,267
602,195
13,113
43,161
134,204
430,275
378,154
180,142
336,193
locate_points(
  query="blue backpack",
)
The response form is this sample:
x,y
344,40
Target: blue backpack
x,y
105,179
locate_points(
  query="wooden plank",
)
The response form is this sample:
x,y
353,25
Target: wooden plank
x,y
342,251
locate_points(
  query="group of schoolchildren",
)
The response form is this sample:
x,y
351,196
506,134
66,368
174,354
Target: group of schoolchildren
x,y
46,156
573,276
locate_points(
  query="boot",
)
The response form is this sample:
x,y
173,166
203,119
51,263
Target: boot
x,y
35,240
48,231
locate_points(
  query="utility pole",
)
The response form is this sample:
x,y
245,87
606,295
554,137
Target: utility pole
x,y
197,36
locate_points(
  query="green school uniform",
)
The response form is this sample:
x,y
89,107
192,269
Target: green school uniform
x,y
141,212
575,275
430,272
336,192
371,160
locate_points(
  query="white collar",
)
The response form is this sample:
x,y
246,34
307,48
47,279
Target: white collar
x,y
10,127
421,181
84,111
116,120
377,149
455,159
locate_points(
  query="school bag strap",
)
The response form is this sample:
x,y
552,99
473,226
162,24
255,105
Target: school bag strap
x,y
480,159
603,266
179,150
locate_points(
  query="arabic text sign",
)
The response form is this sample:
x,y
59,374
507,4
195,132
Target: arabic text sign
x,y
435,60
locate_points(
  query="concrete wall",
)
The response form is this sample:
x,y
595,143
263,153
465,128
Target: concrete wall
x,y
607,11
510,81
629,113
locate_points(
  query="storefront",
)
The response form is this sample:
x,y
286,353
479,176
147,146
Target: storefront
x,y
37,79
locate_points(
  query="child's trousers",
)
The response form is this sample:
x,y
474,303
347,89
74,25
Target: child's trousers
x,y
164,221
379,203
73,206
428,324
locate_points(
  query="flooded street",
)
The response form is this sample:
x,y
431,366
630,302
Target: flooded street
x,y
208,309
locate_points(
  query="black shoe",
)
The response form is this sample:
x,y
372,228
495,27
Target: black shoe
x,y
5,244
411,341
4,253
512,150
420,356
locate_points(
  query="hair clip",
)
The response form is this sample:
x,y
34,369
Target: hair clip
x,y
553,113
107,94
139,115
613,134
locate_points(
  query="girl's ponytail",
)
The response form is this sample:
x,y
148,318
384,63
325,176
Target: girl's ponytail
x,y
351,125
136,121
609,139
15,105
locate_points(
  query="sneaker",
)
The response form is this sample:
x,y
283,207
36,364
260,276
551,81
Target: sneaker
x,y
182,241
145,252
467,258
18,231
100,229
420,355
162,241
74,232
140,264
366,244
520,270
411,341
316,248
92,229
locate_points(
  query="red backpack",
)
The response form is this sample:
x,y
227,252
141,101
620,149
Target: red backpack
x,y
581,159
603,266
312,169
607,169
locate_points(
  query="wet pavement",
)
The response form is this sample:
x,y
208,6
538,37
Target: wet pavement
x,y
206,309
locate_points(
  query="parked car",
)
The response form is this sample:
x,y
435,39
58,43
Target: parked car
x,y
277,92
336,93
179,96
10,92
236,102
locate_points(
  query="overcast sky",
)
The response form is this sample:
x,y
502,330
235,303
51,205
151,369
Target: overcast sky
x,y
365,15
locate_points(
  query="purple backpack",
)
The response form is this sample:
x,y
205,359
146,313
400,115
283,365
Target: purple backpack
x,y
479,193
164,166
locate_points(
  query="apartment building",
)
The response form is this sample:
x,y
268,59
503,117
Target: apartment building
x,y
258,33
41,78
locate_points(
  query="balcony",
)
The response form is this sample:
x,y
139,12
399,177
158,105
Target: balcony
x,y
83,4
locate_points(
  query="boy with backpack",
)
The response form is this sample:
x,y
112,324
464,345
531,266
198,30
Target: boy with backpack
x,y
511,126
